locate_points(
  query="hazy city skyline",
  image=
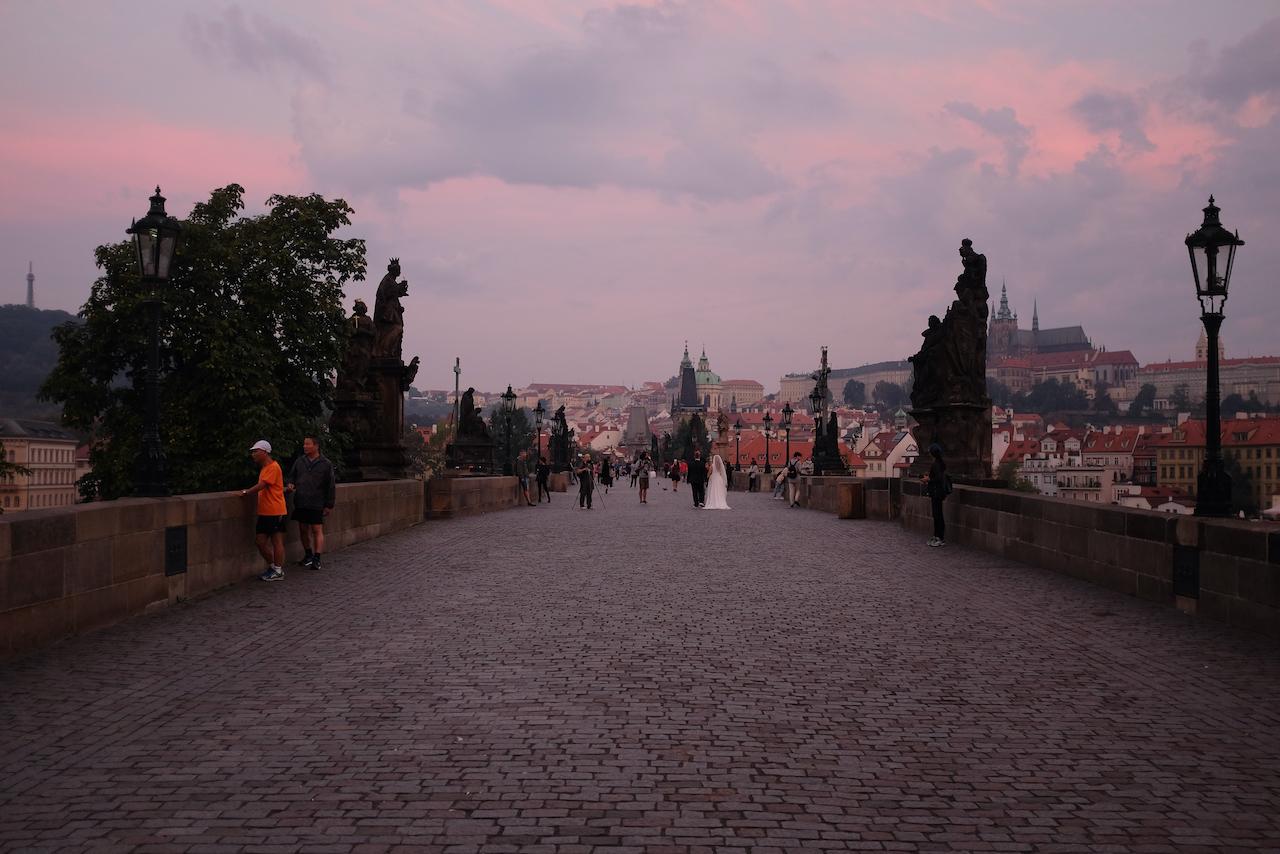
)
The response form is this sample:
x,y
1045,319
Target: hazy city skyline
x,y
576,190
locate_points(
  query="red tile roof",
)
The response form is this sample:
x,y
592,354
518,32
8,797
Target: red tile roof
x,y
1115,357
1162,367
1098,442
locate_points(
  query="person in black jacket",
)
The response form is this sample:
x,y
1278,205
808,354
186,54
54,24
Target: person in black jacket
x,y
935,486
543,472
697,478
314,489
585,483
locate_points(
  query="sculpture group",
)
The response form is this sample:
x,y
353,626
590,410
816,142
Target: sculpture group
x,y
372,380
949,393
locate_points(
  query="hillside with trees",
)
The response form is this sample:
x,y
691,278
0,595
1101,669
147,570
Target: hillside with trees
x,y
28,354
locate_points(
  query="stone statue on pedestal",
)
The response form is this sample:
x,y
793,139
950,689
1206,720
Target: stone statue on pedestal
x,y
472,446
827,459
561,442
368,402
949,394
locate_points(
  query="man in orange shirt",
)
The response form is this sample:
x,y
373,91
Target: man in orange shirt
x,y
272,512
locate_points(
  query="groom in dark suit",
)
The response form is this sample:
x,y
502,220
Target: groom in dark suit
x,y
698,479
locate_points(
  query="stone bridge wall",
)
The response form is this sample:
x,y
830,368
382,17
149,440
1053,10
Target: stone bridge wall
x,y
1223,569
69,570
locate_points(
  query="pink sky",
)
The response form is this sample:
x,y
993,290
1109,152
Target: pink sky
x,y
575,189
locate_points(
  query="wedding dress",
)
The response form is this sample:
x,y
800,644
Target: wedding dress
x,y
717,486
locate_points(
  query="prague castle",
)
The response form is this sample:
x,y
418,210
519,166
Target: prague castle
x,y
1004,338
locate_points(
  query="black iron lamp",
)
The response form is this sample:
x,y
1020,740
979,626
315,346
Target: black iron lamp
x,y
737,441
155,238
787,413
539,412
768,423
508,410
1212,249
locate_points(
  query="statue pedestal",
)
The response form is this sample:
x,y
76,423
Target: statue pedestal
x,y
964,432
374,419
465,454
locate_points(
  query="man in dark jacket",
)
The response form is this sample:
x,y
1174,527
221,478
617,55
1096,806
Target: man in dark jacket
x,y
936,487
585,483
543,474
314,489
697,478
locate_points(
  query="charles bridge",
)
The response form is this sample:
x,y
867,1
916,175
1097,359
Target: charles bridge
x,y
641,678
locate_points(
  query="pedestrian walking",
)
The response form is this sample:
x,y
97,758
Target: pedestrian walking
x,y
606,475
793,480
314,488
523,469
642,471
584,483
753,477
633,469
937,485
272,511
543,474
697,476
675,476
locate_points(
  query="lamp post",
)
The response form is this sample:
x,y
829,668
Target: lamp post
x,y
768,422
737,445
538,412
787,413
508,409
1212,276
155,237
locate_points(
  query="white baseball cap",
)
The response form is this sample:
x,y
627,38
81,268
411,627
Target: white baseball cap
x,y
261,445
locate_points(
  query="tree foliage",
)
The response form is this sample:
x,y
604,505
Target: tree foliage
x,y
890,395
855,393
522,434
1144,401
690,435
1008,472
1180,399
8,469
27,355
1242,495
251,336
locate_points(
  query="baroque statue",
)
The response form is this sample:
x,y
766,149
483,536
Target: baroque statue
x,y
388,313
372,380
949,390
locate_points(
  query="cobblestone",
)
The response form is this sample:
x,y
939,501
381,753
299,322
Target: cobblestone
x,y
648,679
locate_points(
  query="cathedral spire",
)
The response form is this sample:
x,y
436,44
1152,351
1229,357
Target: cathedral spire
x,y
1035,315
31,285
1003,313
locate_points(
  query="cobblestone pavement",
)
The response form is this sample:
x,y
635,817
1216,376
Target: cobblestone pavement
x,y
648,678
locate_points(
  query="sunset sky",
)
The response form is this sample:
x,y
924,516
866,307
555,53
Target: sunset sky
x,y
576,188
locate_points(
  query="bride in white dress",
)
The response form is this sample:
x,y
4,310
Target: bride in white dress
x,y
717,486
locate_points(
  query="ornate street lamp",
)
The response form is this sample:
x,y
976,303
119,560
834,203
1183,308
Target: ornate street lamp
x,y
508,409
538,412
768,422
1212,274
737,445
787,413
155,237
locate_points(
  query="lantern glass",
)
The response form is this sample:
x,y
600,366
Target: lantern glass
x,y
146,240
1212,251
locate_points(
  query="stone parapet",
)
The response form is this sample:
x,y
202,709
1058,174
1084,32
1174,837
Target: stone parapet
x,y
1223,569
74,569
452,497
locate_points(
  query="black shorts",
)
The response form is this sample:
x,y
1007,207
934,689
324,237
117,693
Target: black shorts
x,y
271,524
524,481
308,515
